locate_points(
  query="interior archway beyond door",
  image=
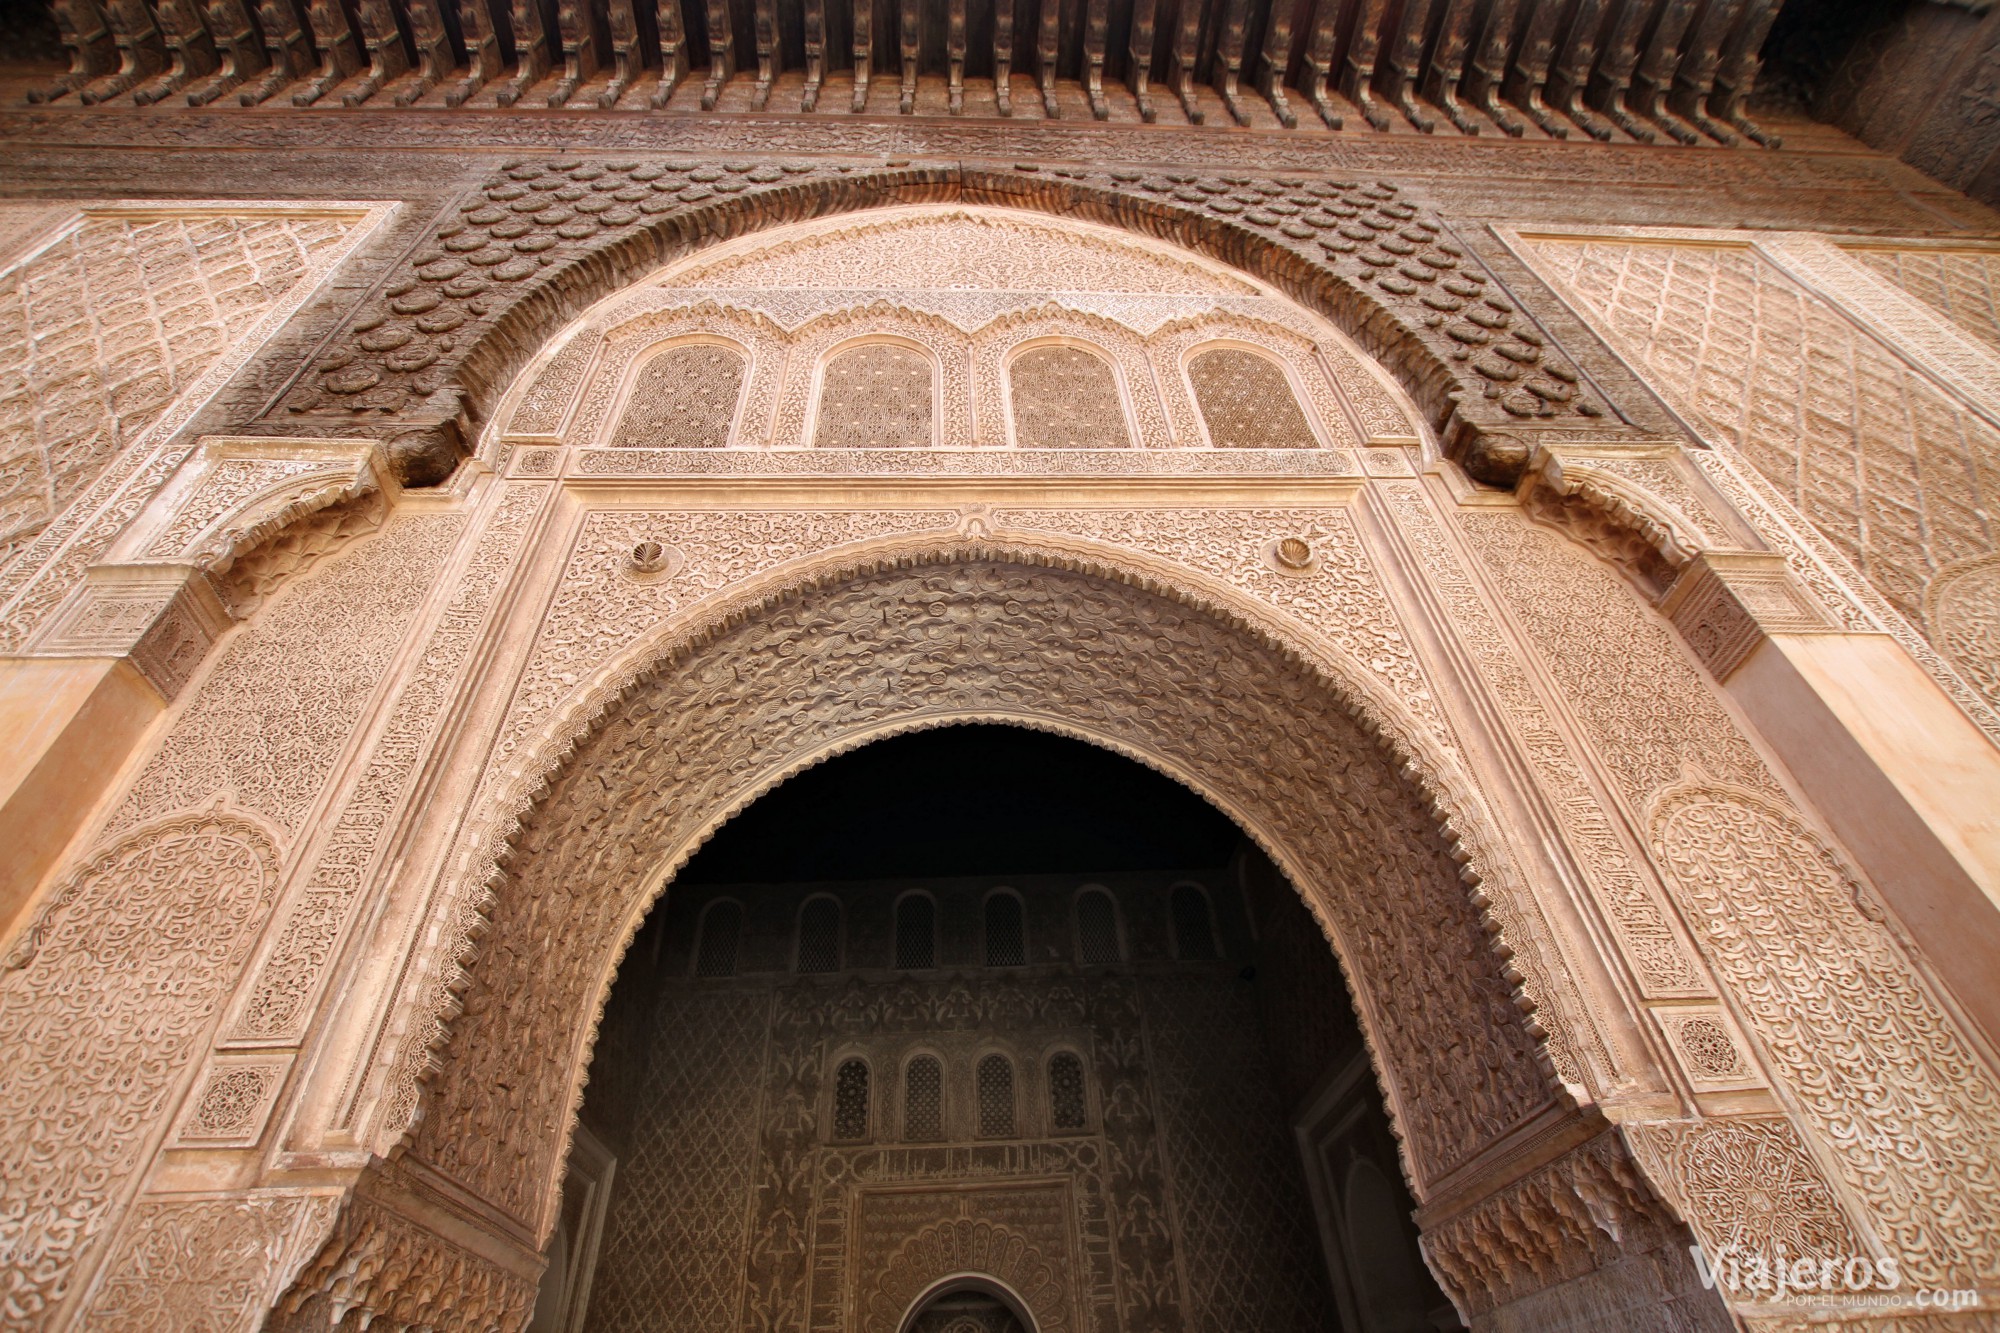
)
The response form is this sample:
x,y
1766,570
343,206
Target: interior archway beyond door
x,y
858,654
971,1304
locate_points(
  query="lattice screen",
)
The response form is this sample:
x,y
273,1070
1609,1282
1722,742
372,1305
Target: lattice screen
x,y
996,1098
923,1099
850,1101
1066,1102
819,936
1097,927
684,398
1247,402
1066,398
878,396
916,933
1006,936
721,928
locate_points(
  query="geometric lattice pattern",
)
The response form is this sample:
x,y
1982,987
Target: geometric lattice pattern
x,y
1066,1100
996,1098
684,398
101,331
850,1101
923,1099
1961,285
1006,935
819,936
1097,927
1194,930
677,1221
1892,471
916,933
1247,402
877,396
721,930
1066,398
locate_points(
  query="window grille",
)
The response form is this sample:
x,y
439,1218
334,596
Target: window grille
x,y
878,396
1006,933
1097,927
1066,398
1194,931
721,930
684,398
1247,402
923,1099
996,1097
1066,1105
850,1101
819,936
916,933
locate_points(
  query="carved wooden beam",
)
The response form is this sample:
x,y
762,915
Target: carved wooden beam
x,y
673,51
1742,61
1569,75
1694,79
1532,59
626,60
765,21
288,54
81,26
1453,46
815,33
435,58
1229,41
1654,79
190,51
864,51
1048,35
1406,62
339,52
387,60
1139,57
1005,55
1096,39
721,53
1486,70
1187,50
1616,66
954,45
1319,59
531,50
1275,58
238,45
482,50
910,44
1364,48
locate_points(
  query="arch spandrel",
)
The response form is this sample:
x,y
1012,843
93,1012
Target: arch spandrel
x,y
1260,680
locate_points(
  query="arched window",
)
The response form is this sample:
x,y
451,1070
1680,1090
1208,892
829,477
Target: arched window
x,y
923,1099
996,1097
1247,402
916,933
850,1101
1194,927
683,398
1096,927
721,931
1066,397
819,935
1006,932
876,396
1066,1102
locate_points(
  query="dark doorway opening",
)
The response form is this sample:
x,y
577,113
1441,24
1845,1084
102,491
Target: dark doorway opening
x,y
983,1005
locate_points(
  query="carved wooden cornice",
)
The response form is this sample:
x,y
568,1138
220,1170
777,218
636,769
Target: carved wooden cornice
x,y
1631,70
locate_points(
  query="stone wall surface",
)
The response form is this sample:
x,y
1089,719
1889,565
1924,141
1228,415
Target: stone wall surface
x,y
310,999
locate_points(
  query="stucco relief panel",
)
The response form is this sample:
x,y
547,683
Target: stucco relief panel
x,y
280,701
114,333
1795,935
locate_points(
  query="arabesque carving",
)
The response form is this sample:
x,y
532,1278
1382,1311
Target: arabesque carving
x,y
955,1247
104,1001
211,1265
